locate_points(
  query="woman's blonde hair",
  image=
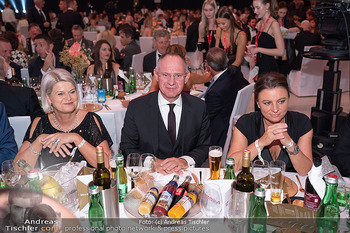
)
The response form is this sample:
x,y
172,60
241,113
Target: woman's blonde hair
x,y
108,36
204,19
48,82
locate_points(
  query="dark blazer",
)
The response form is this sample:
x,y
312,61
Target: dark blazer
x,y
127,53
220,100
34,17
144,129
149,62
8,146
29,49
86,43
35,65
192,37
68,19
19,101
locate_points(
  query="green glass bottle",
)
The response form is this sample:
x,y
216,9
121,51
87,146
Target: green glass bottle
x,y
121,178
257,214
132,78
96,213
33,180
101,175
230,172
245,179
328,213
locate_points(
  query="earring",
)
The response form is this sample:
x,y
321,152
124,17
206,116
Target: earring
x,y
51,108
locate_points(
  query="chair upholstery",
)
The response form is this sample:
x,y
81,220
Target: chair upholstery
x,y
146,44
137,62
20,125
90,35
181,40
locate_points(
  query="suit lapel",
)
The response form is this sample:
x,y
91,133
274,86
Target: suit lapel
x,y
154,114
184,123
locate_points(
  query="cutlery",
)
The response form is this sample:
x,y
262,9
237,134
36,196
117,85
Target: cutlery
x,y
107,106
301,187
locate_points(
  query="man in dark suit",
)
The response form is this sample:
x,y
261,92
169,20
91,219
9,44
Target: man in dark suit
x,y
130,47
161,40
46,59
40,16
70,18
78,36
221,94
8,146
192,34
5,52
250,30
33,31
172,125
18,101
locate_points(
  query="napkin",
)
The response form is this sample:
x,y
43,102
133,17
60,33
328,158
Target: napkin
x,y
121,74
315,178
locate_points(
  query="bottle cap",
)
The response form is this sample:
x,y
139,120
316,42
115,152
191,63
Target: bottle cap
x,y
331,178
94,189
189,178
230,161
259,192
154,189
176,177
33,174
120,157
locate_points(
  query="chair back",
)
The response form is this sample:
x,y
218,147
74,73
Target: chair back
x,y
146,44
241,106
90,35
100,28
137,62
20,125
181,40
118,45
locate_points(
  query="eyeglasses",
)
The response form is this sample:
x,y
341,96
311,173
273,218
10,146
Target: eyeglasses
x,y
176,76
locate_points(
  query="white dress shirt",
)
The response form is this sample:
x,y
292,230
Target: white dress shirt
x,y
164,111
8,16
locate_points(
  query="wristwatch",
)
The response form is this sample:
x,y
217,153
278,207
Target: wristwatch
x,y
295,151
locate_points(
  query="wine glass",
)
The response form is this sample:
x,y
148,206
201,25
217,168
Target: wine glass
x,y
10,174
148,162
133,166
261,173
93,91
211,201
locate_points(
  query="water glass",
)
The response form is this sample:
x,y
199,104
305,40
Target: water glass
x,y
140,84
133,166
10,174
261,173
343,196
277,172
148,162
215,155
211,200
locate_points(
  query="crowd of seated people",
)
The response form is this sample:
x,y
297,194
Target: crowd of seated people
x,y
222,33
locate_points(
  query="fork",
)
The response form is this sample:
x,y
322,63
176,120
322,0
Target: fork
x,y
301,187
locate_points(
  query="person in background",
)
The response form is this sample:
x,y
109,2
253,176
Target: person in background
x,y
221,94
207,26
274,132
17,56
104,22
230,36
9,18
69,18
50,139
56,36
78,36
39,16
8,146
178,142
161,40
33,31
63,8
5,52
192,34
314,26
130,47
108,36
250,30
268,41
146,28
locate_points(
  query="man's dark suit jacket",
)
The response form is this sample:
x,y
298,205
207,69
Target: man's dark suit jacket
x,y
19,101
29,49
88,44
70,18
192,37
127,53
149,62
144,130
34,17
35,65
220,100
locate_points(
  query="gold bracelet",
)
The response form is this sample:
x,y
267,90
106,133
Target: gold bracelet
x,y
32,150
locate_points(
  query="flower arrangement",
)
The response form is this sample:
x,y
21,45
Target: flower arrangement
x,y
77,58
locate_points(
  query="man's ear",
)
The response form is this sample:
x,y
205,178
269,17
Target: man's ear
x,y
51,47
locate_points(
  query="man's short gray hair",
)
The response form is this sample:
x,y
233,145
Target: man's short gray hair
x,y
160,33
49,80
3,70
160,61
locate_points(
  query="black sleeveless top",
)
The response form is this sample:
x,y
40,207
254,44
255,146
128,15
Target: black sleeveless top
x,y
231,53
88,129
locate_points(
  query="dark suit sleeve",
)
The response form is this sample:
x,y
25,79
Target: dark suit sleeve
x,y
192,37
34,68
341,153
8,146
78,20
34,106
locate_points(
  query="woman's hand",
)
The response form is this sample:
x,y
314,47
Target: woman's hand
x,y
59,143
275,132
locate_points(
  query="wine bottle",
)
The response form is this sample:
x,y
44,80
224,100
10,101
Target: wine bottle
x,y
182,190
328,213
107,82
230,172
257,214
245,179
311,198
96,213
166,197
121,178
101,175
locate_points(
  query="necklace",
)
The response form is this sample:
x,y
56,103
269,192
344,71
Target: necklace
x,y
60,127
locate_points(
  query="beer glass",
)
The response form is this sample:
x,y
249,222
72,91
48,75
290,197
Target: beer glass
x,y
277,170
215,155
211,200
261,173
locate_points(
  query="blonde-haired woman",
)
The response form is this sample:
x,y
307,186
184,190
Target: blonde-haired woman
x,y
64,129
207,26
146,28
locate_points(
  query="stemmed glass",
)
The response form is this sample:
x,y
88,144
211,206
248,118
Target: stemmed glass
x,y
10,174
211,201
261,173
148,162
133,166
93,92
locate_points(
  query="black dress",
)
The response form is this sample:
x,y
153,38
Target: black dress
x,y
252,127
231,51
211,34
88,129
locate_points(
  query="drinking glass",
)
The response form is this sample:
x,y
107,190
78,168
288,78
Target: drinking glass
x,y
140,84
215,155
211,201
93,91
343,197
148,162
237,211
277,171
261,173
133,166
10,173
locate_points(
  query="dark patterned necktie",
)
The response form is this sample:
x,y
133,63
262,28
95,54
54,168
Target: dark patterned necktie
x,y
172,123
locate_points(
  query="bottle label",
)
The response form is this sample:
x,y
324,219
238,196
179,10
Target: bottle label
x,y
101,96
150,198
186,202
311,201
179,191
165,200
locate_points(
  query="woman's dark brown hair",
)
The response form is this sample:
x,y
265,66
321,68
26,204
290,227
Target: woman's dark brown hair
x,y
97,61
270,81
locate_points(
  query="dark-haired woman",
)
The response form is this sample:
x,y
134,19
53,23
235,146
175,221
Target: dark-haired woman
x,y
274,132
